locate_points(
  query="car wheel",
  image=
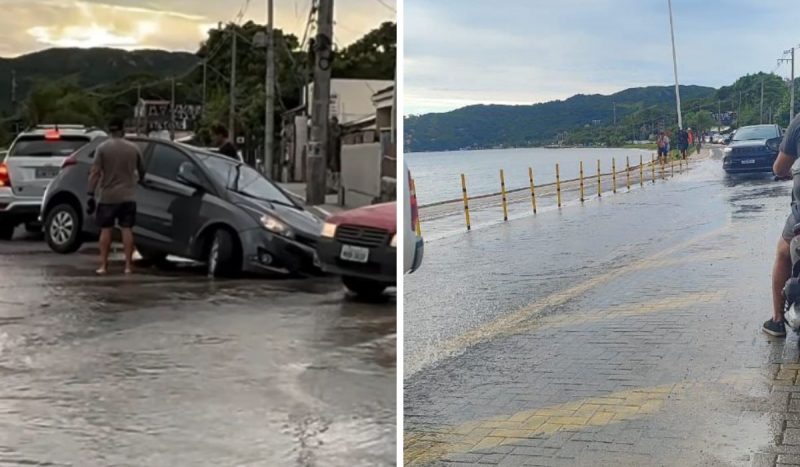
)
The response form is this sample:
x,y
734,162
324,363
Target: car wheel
x,y
62,229
364,287
150,256
223,260
7,231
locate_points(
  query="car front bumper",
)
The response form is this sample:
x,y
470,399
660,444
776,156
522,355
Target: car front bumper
x,y
381,266
265,252
761,163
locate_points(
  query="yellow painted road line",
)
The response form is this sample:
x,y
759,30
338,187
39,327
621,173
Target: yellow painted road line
x,y
679,302
424,447
510,323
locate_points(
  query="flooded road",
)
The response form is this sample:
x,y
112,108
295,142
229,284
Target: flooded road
x,y
622,332
170,368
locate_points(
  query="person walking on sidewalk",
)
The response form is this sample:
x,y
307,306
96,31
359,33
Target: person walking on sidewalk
x,y
117,169
224,146
663,145
782,269
683,142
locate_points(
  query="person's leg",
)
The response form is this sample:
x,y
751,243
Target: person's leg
x,y
105,247
781,272
127,242
126,220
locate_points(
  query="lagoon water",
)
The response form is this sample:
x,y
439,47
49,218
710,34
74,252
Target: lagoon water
x,y
437,174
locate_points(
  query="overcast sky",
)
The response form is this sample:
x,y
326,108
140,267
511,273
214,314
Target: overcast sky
x,y
30,25
461,52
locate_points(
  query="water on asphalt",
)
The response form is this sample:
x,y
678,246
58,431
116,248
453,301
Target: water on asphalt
x,y
171,368
471,279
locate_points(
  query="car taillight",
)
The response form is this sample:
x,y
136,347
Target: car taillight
x,y
5,177
71,160
414,209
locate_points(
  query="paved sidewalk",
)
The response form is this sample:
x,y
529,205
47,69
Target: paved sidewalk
x,y
653,357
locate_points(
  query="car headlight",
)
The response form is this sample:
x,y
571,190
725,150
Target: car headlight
x,y
275,225
727,150
328,230
394,241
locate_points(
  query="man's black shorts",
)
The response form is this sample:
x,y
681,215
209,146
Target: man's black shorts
x,y
121,214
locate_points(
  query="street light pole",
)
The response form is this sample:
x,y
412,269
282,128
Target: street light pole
x,y
269,87
172,112
675,67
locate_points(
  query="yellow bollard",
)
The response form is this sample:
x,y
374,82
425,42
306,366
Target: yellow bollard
x,y
558,187
599,185
503,190
466,199
628,172
417,227
641,170
533,192
581,178
653,168
614,174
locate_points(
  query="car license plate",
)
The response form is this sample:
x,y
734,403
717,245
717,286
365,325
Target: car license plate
x,y
748,161
46,172
356,254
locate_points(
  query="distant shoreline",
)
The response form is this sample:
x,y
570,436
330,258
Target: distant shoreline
x,y
648,146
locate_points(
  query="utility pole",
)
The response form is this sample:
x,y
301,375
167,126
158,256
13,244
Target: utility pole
x,y
232,110
172,112
318,146
675,67
791,82
141,109
205,70
14,89
739,111
269,88
615,113
762,101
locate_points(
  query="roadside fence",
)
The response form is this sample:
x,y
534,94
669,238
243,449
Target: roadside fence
x,y
645,172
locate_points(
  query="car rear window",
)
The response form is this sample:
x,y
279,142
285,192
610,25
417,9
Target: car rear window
x,y
39,146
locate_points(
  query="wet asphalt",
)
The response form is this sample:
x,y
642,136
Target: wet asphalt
x,y
622,332
168,367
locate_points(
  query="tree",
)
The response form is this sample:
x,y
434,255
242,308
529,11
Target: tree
x,y
61,102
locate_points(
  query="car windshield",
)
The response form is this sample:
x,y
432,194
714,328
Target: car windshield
x,y
755,132
253,184
39,146
220,168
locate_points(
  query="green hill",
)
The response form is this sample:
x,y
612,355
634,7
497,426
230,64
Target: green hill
x,y
87,68
487,126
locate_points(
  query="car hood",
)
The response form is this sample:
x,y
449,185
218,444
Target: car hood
x,y
298,219
381,216
747,143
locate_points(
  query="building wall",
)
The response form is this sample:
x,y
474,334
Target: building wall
x,y
361,174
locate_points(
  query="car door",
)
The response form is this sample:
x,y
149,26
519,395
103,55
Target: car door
x,y
168,211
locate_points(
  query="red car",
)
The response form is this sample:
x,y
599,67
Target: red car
x,y
361,246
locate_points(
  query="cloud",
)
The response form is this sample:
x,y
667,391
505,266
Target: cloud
x,y
524,51
166,24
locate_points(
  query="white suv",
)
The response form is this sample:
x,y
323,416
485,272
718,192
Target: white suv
x,y
32,161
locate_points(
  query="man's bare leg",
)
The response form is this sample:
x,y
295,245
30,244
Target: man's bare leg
x,y
781,272
127,242
105,247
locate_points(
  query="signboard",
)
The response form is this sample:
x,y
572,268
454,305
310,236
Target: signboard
x,y
240,140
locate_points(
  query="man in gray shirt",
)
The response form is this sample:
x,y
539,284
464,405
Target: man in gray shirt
x,y
117,169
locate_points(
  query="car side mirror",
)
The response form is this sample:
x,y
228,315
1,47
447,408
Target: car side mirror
x,y
187,174
774,144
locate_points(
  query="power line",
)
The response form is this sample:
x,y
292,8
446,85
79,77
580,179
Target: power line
x,y
387,6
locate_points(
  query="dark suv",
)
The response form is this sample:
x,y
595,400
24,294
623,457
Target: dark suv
x,y
752,149
194,204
